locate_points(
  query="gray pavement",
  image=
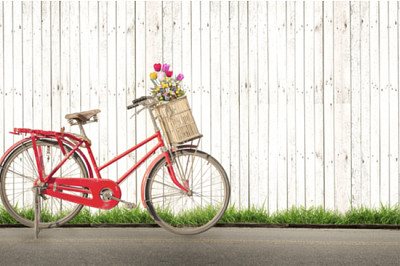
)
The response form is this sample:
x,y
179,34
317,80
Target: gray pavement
x,y
220,246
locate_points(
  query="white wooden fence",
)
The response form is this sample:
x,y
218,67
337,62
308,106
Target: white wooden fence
x,y
299,101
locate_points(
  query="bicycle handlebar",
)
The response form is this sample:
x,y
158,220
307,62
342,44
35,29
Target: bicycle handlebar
x,y
138,101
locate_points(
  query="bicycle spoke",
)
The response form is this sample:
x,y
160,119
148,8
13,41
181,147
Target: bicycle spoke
x,y
32,164
21,175
176,188
165,195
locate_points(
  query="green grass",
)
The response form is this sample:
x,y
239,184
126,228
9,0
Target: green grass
x,y
300,215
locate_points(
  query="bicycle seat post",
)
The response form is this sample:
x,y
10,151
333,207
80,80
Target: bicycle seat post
x,y
82,130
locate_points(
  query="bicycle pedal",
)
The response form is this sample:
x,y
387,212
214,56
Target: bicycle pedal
x,y
130,205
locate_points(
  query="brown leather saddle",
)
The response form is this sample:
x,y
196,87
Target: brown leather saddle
x,y
83,117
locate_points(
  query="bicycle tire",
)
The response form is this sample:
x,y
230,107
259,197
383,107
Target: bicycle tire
x,y
19,173
193,212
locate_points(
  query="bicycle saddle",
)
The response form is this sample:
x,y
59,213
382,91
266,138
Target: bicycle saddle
x,y
83,116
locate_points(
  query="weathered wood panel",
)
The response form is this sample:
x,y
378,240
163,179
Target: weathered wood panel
x,y
299,101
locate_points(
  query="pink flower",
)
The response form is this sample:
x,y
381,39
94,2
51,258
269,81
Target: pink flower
x,y
180,77
165,67
160,76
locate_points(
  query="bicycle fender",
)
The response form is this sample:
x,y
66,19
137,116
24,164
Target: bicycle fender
x,y
153,163
14,146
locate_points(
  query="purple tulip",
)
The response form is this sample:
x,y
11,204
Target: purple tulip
x,y
165,67
179,77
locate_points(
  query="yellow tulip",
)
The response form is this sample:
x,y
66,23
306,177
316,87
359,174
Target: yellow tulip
x,y
153,75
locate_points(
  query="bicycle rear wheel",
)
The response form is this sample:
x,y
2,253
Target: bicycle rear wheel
x,y
191,212
19,174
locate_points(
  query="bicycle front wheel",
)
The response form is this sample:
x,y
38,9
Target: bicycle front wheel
x,y
19,174
196,210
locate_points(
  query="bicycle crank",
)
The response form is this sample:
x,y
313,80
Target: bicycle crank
x,y
106,195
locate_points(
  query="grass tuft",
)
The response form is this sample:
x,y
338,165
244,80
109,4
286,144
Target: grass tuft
x,y
295,215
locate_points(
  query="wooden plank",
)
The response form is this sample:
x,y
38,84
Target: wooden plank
x,y
263,105
75,66
177,59
65,63
84,37
393,104
112,88
8,73
355,39
141,78
94,85
2,90
195,72
27,64
319,104
167,36
205,76
215,79
154,33
18,69
291,102
186,46
375,123
253,173
329,107
103,89
225,89
342,97
273,109
384,95
243,106
131,94
309,105
121,98
300,107
365,106
234,101
282,106
46,66
56,119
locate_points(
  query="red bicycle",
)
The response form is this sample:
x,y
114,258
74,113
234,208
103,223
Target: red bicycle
x,y
48,172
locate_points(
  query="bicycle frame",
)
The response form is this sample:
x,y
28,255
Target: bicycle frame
x,y
83,182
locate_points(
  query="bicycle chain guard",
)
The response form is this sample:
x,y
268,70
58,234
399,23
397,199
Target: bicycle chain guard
x,y
84,191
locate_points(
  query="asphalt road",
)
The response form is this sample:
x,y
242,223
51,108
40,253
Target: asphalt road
x,y
220,246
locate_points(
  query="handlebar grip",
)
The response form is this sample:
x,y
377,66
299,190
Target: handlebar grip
x,y
131,106
138,100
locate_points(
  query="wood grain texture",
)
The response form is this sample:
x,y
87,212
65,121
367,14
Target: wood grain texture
x,y
298,101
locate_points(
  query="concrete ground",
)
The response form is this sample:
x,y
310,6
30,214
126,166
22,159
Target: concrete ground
x,y
220,246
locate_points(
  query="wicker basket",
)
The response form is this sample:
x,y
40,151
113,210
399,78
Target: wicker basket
x,y
177,121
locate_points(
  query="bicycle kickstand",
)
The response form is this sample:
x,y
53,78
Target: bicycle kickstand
x,y
37,212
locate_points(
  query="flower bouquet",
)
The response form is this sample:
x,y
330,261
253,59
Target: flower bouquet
x,y
166,87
